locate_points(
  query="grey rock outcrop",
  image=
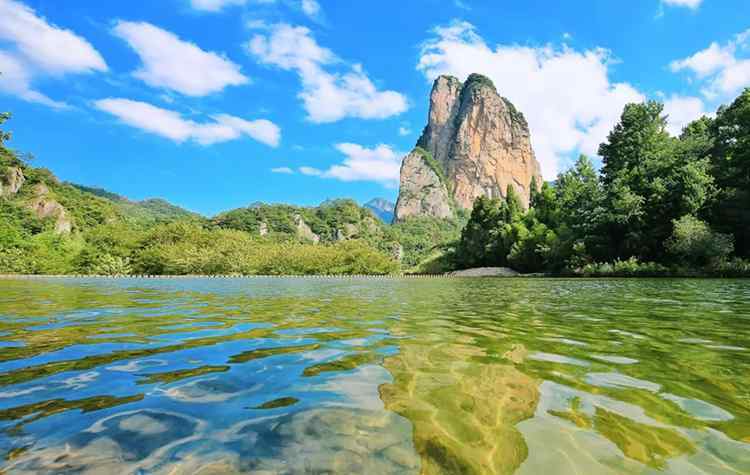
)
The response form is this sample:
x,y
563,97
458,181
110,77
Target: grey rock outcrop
x,y
45,207
304,230
11,181
481,143
423,190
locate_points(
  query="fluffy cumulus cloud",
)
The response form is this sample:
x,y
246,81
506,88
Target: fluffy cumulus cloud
x,y
565,94
171,63
681,110
380,164
172,125
37,48
327,95
692,4
723,70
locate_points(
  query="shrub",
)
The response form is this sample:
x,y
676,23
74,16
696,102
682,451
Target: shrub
x,y
694,242
627,268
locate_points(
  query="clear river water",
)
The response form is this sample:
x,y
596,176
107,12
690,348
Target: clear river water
x,y
374,376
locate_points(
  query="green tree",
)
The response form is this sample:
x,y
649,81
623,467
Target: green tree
x,y
649,180
478,245
731,168
694,242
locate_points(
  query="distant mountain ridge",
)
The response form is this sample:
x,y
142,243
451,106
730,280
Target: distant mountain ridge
x,y
382,208
151,209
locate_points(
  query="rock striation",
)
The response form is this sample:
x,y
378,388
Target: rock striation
x,y
476,143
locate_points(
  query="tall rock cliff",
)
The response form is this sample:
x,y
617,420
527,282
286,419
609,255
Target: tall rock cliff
x,y
475,144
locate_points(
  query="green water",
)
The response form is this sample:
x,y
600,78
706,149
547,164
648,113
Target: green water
x,y
464,376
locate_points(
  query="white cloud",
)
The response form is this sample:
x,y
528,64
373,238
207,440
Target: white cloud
x,y
327,96
16,80
50,48
172,63
172,125
311,8
692,4
283,170
36,48
720,68
565,94
404,131
380,164
682,110
214,5
706,62
310,171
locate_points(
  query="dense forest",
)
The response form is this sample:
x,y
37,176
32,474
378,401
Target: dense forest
x,y
659,205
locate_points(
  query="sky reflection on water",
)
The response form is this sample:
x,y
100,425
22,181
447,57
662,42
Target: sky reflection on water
x,y
374,376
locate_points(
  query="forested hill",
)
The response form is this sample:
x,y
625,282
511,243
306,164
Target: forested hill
x,y
150,210
51,227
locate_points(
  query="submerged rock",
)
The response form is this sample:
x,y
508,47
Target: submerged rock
x,y
330,440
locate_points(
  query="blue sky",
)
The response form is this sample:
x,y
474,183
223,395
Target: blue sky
x,y
214,104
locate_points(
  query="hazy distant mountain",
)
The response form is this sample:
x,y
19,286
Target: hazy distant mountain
x,y
382,208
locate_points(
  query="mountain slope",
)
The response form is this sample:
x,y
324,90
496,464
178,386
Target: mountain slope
x,y
150,211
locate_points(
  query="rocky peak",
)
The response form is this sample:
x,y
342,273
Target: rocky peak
x,y
479,140
382,208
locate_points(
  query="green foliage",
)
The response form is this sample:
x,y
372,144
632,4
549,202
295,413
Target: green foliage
x,y
694,242
328,220
656,201
186,248
478,80
433,165
141,213
733,268
422,237
730,159
650,179
627,268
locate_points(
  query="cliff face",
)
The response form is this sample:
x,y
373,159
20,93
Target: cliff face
x,y
423,189
481,143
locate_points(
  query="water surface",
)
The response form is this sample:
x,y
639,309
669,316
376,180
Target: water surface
x,y
377,376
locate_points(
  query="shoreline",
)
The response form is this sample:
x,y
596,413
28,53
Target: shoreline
x,y
353,276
